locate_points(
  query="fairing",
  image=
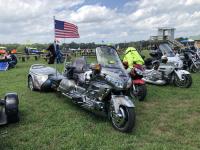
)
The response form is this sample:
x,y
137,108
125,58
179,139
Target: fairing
x,y
172,58
111,65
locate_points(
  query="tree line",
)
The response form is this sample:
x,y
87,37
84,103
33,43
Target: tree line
x,y
73,45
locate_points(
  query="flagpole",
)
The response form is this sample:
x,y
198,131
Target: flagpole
x,y
55,42
54,27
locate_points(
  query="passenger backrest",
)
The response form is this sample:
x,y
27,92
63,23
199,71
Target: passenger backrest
x,y
80,65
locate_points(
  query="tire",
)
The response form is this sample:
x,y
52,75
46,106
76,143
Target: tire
x,y
126,123
140,93
195,69
11,107
186,83
31,84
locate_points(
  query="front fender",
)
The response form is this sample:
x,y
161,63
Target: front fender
x,y
179,73
121,100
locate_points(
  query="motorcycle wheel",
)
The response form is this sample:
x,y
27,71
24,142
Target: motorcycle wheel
x,y
140,92
195,69
124,121
186,83
31,84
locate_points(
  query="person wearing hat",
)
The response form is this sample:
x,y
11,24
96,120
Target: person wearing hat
x,y
131,58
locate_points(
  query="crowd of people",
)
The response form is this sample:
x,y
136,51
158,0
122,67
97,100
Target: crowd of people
x,y
10,58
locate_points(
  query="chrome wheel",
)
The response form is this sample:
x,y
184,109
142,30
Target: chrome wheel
x,y
124,120
196,68
119,119
186,81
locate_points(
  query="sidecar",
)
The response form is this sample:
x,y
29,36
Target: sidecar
x,y
9,109
43,78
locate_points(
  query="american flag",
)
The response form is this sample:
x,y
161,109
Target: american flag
x,y
65,30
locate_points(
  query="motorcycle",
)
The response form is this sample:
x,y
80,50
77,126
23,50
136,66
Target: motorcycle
x,y
163,73
99,88
138,89
164,49
191,61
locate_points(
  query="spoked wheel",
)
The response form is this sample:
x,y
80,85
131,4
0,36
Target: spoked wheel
x,y
196,68
139,92
185,83
124,120
31,84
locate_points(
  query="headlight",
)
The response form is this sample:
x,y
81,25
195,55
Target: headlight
x,y
42,78
118,84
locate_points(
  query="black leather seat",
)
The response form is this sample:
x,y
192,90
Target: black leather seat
x,y
80,67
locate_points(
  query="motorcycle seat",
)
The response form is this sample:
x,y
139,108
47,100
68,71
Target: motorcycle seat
x,y
56,78
79,77
152,63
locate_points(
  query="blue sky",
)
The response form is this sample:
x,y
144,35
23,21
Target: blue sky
x,y
108,3
110,20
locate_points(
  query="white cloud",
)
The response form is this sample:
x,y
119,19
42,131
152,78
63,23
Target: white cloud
x,y
181,14
22,20
92,13
192,2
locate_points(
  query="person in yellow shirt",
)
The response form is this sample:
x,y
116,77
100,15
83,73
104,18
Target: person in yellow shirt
x,y
131,58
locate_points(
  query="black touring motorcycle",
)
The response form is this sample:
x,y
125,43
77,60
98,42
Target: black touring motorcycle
x,y
99,88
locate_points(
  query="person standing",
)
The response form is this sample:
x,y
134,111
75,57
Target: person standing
x,y
51,54
58,52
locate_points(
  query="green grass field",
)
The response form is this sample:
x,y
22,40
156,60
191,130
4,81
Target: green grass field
x,y
168,119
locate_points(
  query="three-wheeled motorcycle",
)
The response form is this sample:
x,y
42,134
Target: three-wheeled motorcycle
x,y
99,87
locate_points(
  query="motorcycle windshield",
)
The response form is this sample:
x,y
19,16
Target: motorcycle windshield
x,y
111,64
166,50
108,58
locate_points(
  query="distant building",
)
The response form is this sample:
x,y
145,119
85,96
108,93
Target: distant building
x,y
166,33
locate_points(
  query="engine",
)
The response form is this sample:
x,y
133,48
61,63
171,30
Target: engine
x,y
66,85
154,75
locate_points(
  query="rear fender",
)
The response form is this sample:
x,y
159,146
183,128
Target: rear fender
x,y
12,98
121,100
138,82
11,103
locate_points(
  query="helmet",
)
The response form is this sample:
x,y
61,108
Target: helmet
x,y
164,59
129,49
